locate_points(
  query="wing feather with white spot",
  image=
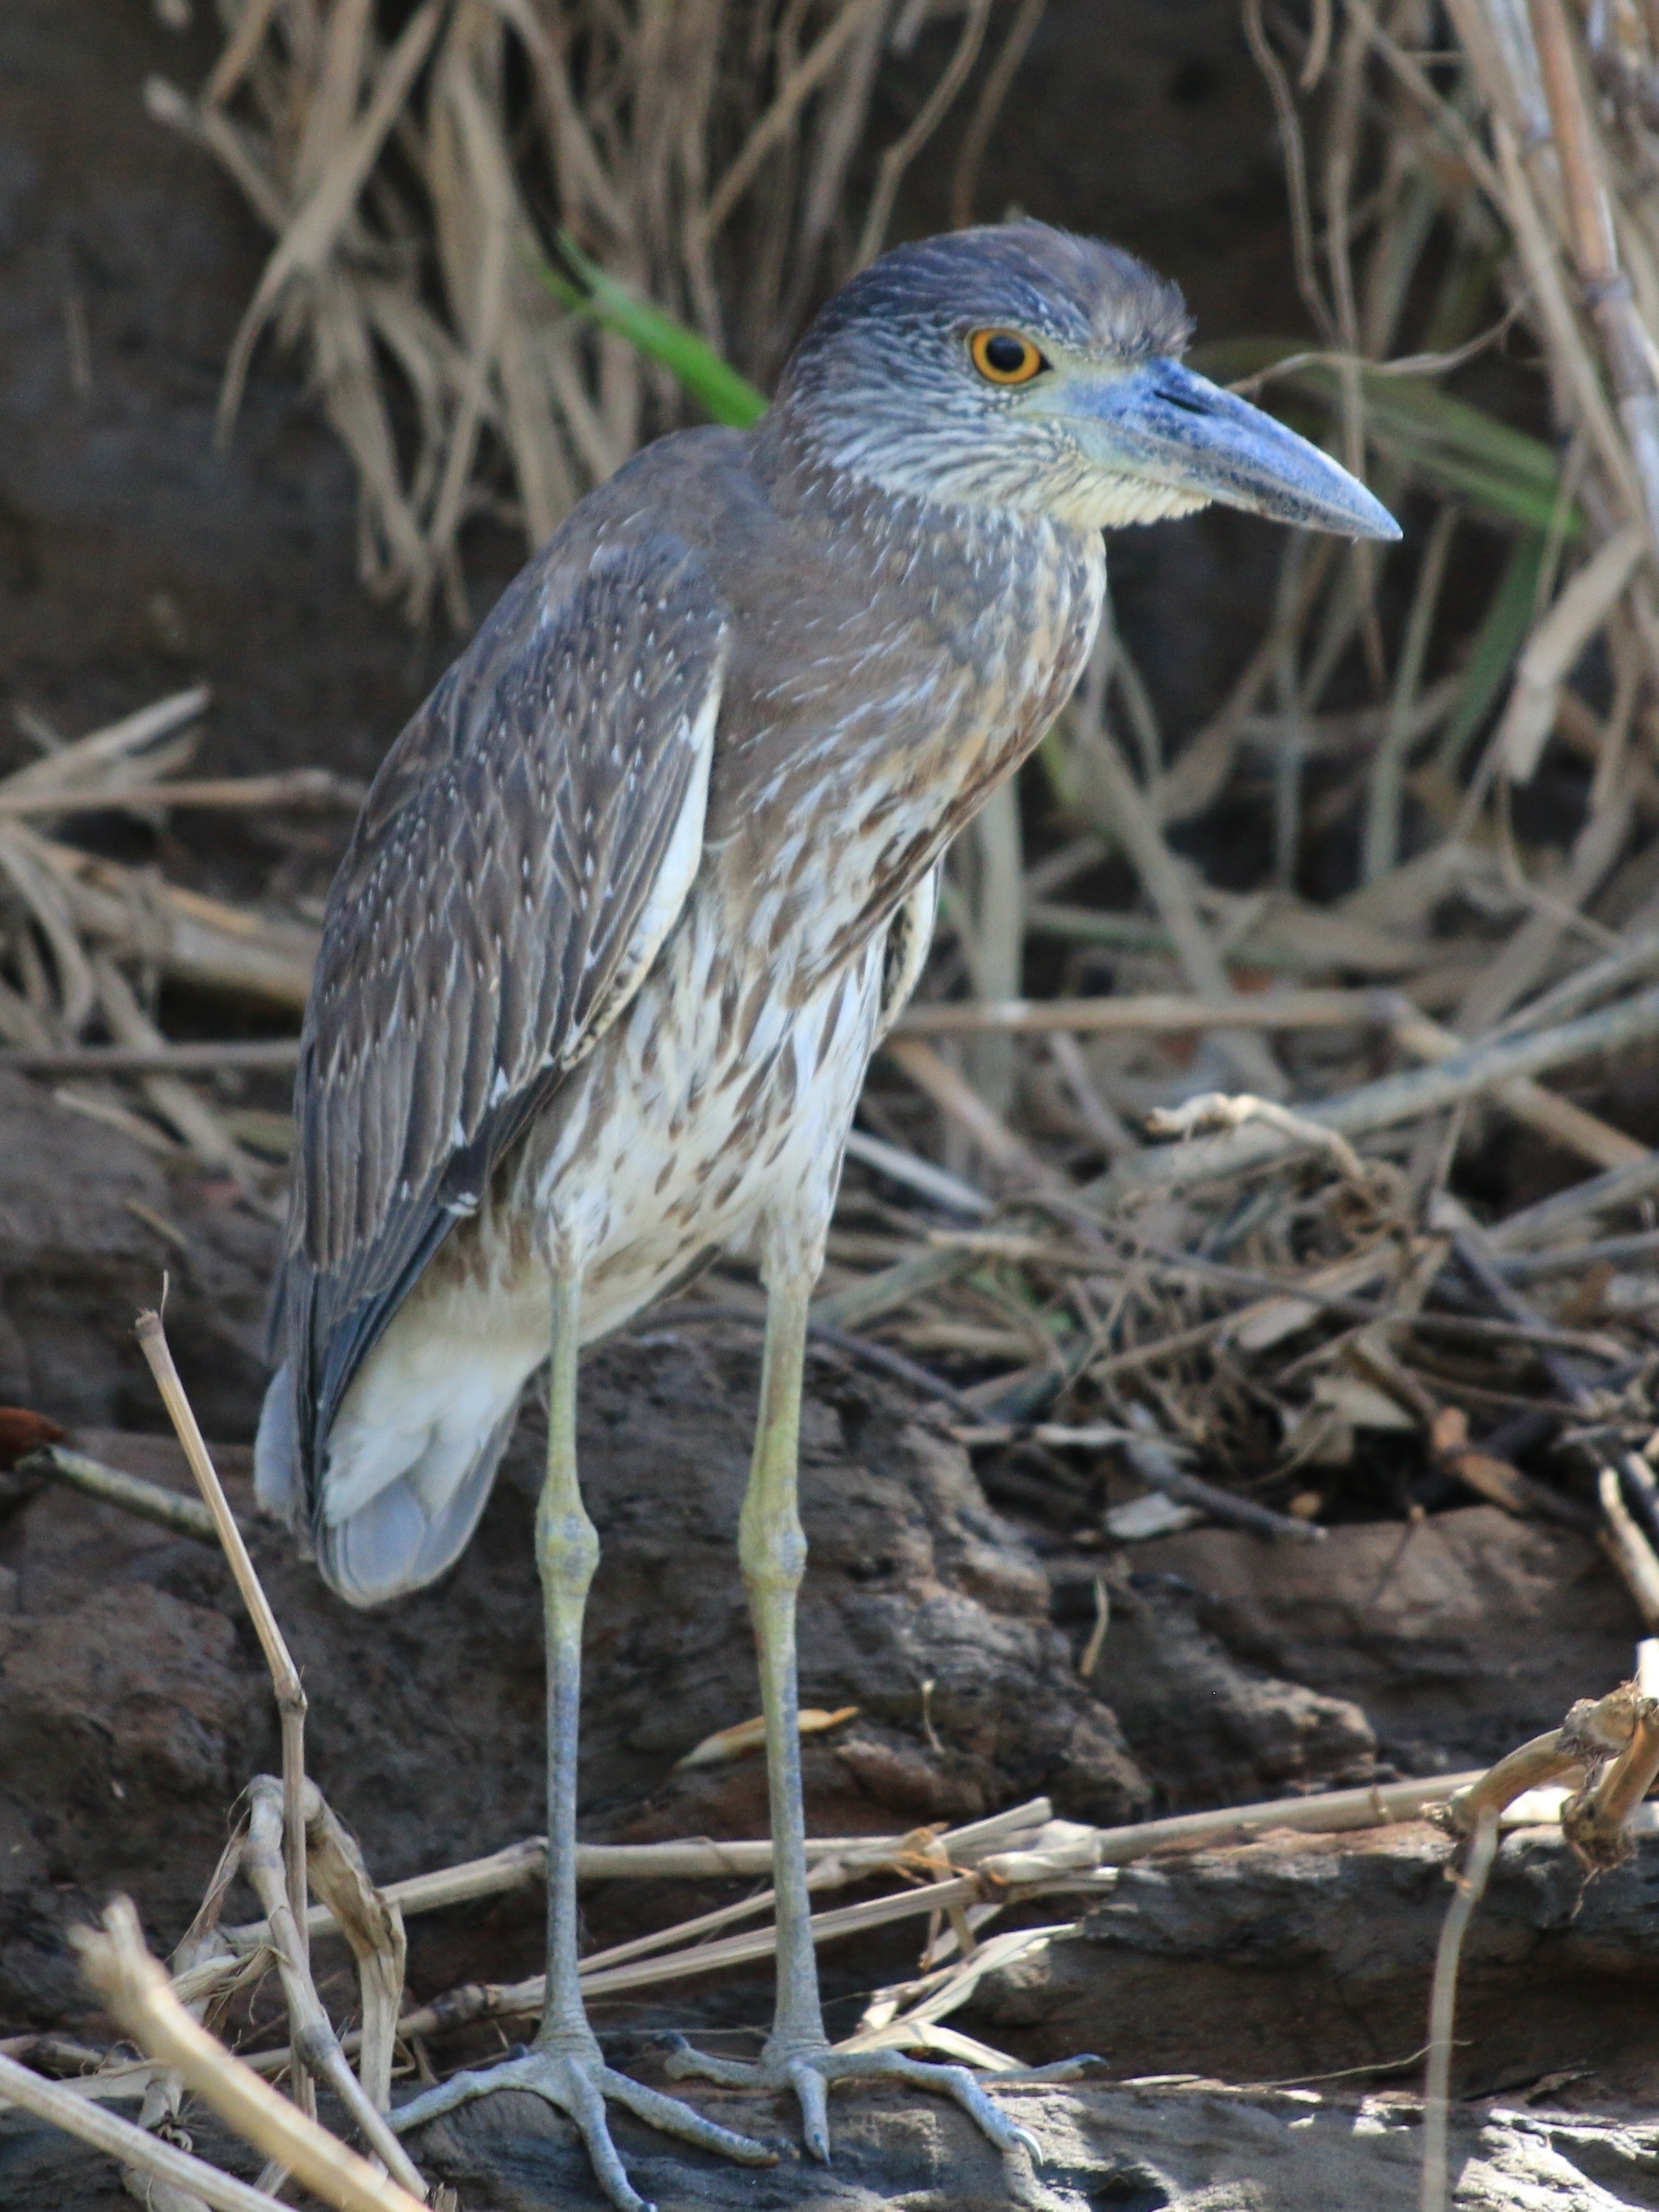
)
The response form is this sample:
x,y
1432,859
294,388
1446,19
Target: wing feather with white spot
x,y
523,851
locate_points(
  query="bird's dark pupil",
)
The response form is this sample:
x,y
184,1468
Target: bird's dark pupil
x,y
1005,355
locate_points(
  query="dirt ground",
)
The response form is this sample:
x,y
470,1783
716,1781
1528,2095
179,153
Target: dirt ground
x,y
133,558
133,1705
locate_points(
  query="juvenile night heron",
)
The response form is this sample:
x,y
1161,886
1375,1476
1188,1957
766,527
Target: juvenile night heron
x,y
629,906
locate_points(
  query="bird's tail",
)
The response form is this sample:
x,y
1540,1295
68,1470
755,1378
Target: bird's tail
x,y
404,1535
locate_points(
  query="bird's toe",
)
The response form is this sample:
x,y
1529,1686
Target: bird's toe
x,y
579,2083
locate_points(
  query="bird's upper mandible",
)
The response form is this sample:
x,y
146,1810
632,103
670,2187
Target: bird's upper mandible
x,y
1022,368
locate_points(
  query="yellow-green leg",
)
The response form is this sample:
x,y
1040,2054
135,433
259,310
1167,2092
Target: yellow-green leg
x,y
772,1549
565,2065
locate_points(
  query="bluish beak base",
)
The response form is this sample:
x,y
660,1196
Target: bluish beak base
x,y
1165,423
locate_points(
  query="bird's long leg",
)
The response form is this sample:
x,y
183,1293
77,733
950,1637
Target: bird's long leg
x,y
772,1550
567,1555
565,2064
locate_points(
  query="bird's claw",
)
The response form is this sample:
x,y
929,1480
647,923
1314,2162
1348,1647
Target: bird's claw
x,y
578,2082
809,2072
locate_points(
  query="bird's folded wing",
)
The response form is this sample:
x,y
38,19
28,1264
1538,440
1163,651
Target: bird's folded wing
x,y
522,854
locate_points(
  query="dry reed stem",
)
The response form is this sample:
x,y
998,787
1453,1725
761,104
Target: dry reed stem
x,y
1593,1731
1596,1823
1215,1110
703,157
897,157
1482,1066
906,2016
838,1859
1571,1126
1171,1013
1152,1461
1629,1548
296,787
1532,1766
994,90
181,934
373,1927
111,1485
1559,643
1551,1220
138,2151
922,1176
1627,348
311,2036
274,1055
135,1990
285,1682
957,1098
699,1958
1037,1854
86,763
1105,784
1443,2003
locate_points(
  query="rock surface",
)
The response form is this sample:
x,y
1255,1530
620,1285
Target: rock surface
x,y
1461,1636
90,1222
1208,1729
133,1705
1298,1955
1119,2149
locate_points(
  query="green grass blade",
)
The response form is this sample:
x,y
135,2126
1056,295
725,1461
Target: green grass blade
x,y
718,388
1499,639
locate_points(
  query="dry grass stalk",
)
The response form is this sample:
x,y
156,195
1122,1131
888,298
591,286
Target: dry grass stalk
x,y
907,2017
1629,1548
957,1099
835,1861
165,2169
601,1976
112,1485
919,1174
1157,1013
83,940
1471,1882
702,155
1594,1732
311,2036
1479,1067
1559,1119
284,1674
1214,1110
1596,1823
372,1925
135,1990
1024,1850
301,787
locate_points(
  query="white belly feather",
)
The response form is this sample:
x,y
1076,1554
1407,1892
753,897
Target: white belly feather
x,y
668,1146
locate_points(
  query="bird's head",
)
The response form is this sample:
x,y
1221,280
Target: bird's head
x,y
1022,368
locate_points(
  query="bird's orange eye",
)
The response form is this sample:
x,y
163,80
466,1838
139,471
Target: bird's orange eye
x,y
1004,358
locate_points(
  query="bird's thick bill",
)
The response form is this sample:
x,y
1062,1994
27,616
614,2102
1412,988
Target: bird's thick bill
x,y
1166,425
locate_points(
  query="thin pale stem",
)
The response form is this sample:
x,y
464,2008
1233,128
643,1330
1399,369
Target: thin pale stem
x,y
1385,797
284,1674
772,1548
1443,2004
566,1553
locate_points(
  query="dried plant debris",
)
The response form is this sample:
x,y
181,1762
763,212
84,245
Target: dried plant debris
x,y
1405,1261
960,1882
1268,1156
699,158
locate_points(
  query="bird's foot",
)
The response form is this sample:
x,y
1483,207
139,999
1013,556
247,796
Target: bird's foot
x,y
810,2069
574,2079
